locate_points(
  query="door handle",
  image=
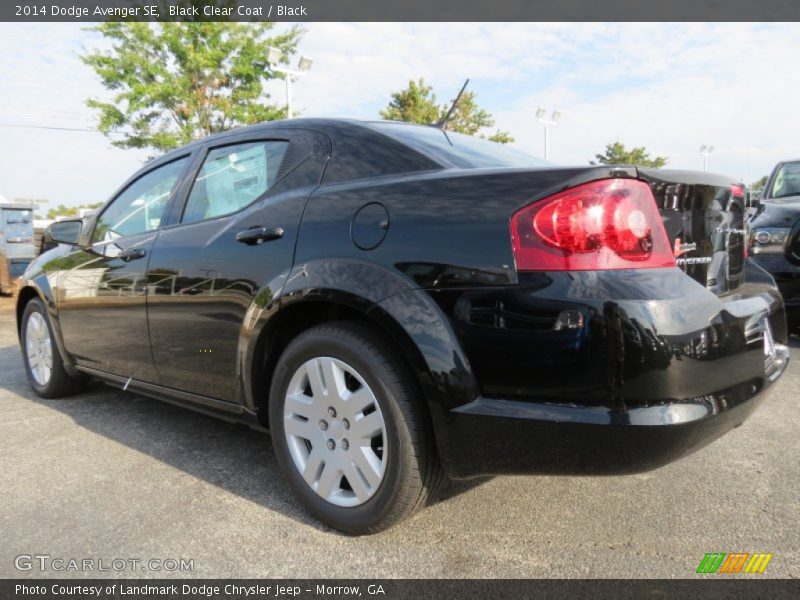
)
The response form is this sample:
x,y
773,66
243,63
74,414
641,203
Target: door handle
x,y
259,235
132,254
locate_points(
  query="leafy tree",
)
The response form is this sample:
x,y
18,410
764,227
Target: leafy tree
x,y
176,82
70,211
417,104
618,154
62,211
468,117
758,186
501,137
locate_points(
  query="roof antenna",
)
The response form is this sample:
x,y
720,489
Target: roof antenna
x,y
443,121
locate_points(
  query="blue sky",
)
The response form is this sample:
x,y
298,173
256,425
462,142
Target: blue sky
x,y
669,87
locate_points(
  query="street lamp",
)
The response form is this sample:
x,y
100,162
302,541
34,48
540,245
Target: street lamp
x,y
706,152
553,120
274,57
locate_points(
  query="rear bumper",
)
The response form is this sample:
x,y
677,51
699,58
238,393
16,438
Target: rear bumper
x,y
544,438
659,372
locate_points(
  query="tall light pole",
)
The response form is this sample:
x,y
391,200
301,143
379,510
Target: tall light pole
x,y
553,120
274,57
706,152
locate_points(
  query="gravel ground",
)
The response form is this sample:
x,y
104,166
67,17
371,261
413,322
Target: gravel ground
x,y
109,474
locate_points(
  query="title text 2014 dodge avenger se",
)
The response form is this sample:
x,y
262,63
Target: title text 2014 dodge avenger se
x,y
396,304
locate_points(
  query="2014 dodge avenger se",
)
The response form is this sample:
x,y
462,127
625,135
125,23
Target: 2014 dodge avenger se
x,y
396,303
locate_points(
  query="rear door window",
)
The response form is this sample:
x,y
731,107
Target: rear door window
x,y
233,177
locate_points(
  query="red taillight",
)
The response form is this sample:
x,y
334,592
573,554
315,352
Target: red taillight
x,y
605,224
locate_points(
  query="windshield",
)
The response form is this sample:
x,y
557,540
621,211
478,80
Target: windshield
x,y
786,181
466,151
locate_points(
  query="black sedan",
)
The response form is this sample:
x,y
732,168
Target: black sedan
x,y
395,303
775,234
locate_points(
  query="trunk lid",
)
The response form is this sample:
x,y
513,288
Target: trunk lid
x,y
705,222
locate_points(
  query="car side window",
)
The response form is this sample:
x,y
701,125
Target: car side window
x,y
143,204
232,177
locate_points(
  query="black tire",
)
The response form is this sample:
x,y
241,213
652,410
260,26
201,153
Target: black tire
x,y
412,471
60,383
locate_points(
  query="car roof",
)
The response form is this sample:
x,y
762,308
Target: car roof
x,y
338,130
322,125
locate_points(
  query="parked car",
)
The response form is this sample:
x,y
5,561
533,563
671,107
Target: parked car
x,y
396,304
16,243
775,234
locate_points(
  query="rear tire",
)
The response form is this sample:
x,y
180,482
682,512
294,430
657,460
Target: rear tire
x,y
43,363
354,413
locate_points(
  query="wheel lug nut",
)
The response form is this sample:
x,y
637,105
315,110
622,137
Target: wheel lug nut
x,y
323,424
331,412
331,444
345,444
346,423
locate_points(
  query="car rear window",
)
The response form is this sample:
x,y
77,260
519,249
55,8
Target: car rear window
x,y
466,151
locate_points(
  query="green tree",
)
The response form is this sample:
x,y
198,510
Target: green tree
x,y
176,82
501,137
62,211
70,211
417,104
617,154
758,186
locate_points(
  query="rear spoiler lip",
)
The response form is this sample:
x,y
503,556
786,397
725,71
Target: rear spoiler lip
x,y
676,176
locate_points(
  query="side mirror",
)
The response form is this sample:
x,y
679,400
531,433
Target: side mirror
x,y
66,232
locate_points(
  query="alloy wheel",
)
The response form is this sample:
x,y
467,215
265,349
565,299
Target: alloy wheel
x,y
335,431
38,348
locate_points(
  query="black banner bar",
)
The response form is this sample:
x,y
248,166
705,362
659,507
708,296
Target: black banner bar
x,y
716,587
398,10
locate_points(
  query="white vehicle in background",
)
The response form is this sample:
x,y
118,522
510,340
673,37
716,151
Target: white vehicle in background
x,y
17,247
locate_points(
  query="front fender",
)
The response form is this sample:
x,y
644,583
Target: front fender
x,y
42,283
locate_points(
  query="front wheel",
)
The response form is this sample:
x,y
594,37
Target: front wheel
x,y
43,363
350,430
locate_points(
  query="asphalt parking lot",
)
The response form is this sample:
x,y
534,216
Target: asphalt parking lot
x,y
109,474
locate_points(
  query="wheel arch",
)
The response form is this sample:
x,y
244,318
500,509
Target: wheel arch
x,y
26,294
39,288
300,312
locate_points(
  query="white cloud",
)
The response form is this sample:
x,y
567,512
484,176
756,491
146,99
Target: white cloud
x,y
672,88
669,87
360,64
43,83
